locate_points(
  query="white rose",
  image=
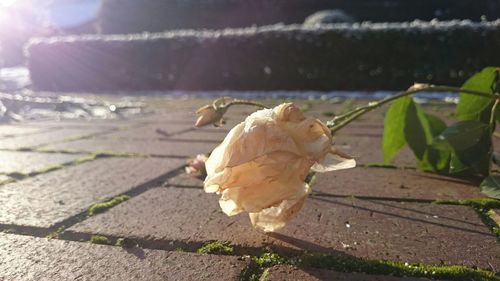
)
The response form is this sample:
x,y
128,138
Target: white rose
x,y
261,165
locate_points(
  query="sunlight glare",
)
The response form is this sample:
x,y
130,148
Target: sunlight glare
x,y
7,3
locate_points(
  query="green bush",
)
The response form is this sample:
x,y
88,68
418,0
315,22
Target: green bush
x,y
383,56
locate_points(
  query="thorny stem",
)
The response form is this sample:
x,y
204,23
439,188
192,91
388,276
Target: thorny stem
x,y
343,120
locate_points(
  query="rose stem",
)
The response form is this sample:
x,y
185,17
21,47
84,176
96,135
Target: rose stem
x,y
356,113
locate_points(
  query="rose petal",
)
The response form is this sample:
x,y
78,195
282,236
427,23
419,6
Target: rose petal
x,y
333,162
276,217
261,183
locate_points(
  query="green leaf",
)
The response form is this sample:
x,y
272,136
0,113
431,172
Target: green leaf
x,y
407,123
461,136
434,159
436,125
491,186
417,130
420,130
475,160
472,107
394,124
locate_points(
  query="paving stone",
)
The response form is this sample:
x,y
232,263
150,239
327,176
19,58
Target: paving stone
x,y
185,180
28,258
362,131
166,115
291,273
401,231
394,183
14,130
143,147
373,229
205,136
50,198
4,179
83,123
27,162
368,149
180,214
35,140
151,131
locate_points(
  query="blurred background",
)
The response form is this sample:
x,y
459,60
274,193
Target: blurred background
x,y
95,46
21,20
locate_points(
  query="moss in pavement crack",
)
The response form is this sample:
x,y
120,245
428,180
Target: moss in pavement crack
x,y
99,239
216,248
483,207
343,263
101,207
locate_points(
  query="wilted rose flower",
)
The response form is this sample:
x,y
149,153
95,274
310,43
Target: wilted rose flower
x,y
261,165
196,166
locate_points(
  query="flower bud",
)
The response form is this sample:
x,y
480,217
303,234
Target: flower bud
x,y
208,115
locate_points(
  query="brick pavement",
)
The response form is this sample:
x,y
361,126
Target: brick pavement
x,y
364,214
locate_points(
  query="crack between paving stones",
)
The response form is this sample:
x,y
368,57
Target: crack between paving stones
x,y
394,199
290,256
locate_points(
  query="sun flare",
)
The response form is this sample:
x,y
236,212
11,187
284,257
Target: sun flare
x,y
7,3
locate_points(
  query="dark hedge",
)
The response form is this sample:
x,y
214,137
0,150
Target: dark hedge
x,y
331,57
132,16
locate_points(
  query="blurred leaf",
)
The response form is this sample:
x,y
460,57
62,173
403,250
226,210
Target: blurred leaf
x,y
406,123
474,160
491,186
394,124
472,107
436,125
434,159
417,130
461,136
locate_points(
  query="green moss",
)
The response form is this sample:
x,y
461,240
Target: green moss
x,y
352,264
496,231
343,263
56,233
120,242
99,239
62,151
265,275
483,208
269,259
101,207
254,277
481,203
259,266
216,247
46,170
101,154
